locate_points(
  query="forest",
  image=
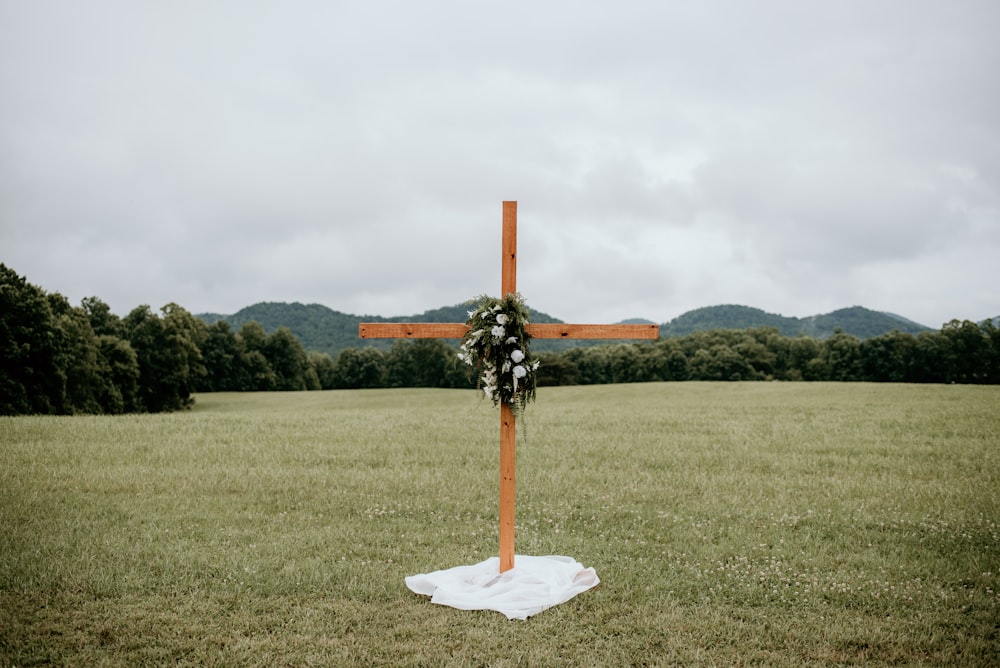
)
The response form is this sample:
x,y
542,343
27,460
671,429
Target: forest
x,y
64,359
322,329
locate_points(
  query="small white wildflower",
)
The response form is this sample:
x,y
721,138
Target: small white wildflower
x,y
501,319
517,356
498,332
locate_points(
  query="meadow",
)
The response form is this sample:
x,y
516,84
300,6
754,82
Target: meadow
x,y
778,524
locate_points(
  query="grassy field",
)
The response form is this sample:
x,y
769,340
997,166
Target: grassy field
x,y
785,524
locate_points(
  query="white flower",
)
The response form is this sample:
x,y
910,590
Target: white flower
x,y
520,371
517,356
501,319
506,366
498,332
512,339
535,365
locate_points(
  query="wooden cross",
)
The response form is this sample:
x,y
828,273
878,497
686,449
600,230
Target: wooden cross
x,y
508,284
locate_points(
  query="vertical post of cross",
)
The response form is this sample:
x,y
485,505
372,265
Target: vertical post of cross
x,y
508,425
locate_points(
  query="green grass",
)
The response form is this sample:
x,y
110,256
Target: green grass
x,y
781,524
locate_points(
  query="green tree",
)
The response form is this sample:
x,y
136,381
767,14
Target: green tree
x,y
841,357
766,350
169,356
220,353
992,334
804,359
720,362
595,364
30,378
79,368
255,371
557,369
930,361
968,352
118,391
186,334
290,362
670,360
424,363
627,364
326,369
360,368
887,358
102,320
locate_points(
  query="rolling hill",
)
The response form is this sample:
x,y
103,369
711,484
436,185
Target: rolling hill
x,y
322,329
856,320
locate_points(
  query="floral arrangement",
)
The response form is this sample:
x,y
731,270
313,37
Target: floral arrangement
x,y
496,346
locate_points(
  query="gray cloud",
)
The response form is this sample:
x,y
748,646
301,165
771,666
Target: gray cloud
x,y
796,157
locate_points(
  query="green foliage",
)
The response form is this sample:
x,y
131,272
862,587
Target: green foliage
x,y
169,355
970,352
424,363
731,524
557,369
30,381
326,369
102,320
360,369
220,353
962,352
290,362
61,359
497,347
77,359
118,389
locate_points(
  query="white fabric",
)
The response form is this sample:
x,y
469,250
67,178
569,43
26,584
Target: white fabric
x,y
534,584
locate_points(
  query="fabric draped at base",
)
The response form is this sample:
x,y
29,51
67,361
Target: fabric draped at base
x,y
534,584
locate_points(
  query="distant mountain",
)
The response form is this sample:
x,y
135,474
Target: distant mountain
x,y
856,320
728,316
324,330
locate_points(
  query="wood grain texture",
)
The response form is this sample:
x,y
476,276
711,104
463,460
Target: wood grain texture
x,y
508,247
565,331
508,493
411,330
446,330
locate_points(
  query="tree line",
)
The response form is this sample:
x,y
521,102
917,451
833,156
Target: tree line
x,y
64,359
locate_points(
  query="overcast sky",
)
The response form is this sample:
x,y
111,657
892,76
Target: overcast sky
x,y
795,156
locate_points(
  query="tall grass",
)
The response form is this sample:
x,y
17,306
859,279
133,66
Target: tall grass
x,y
731,524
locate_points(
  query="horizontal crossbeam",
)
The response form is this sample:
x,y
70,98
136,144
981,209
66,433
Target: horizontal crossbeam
x,y
411,330
563,331
439,330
